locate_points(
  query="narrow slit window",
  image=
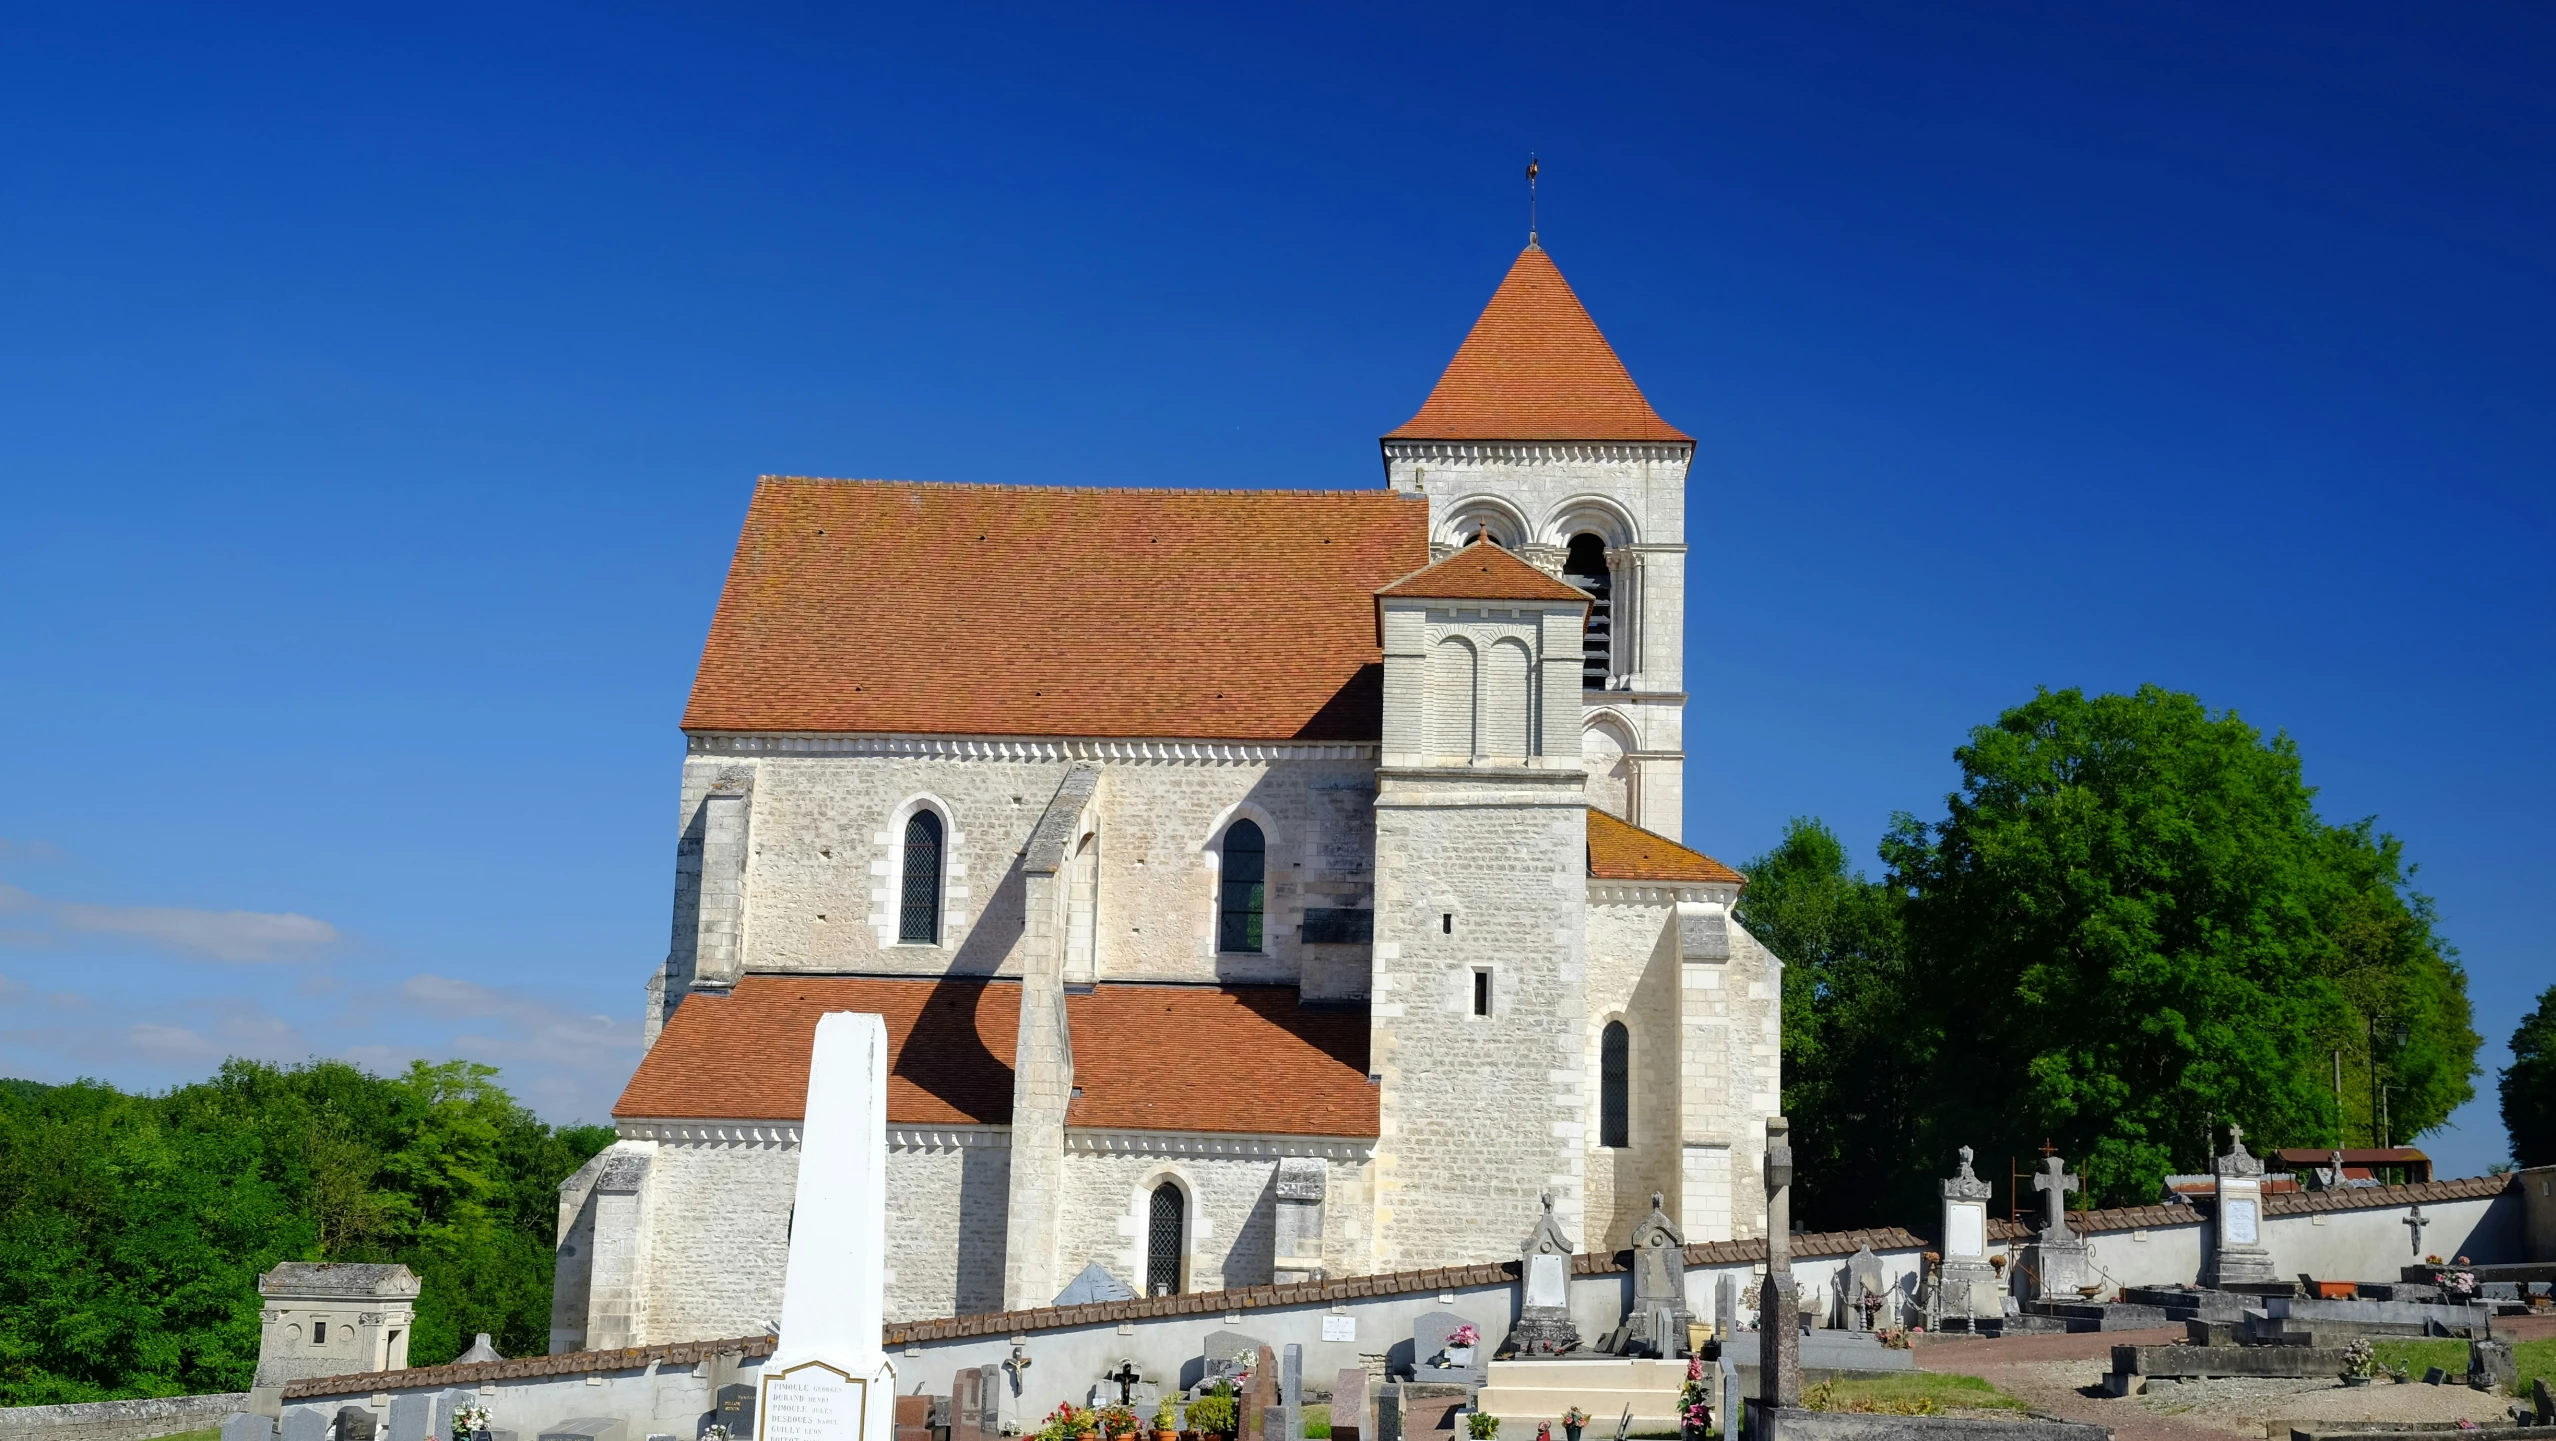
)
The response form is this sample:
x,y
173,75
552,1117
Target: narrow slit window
x,y
1615,1086
1241,893
1446,923
319,1333
1164,1240
1482,993
919,911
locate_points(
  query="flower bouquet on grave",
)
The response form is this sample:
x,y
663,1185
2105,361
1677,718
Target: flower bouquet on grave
x,y
715,1431
469,1421
2360,1363
1572,1420
1694,1403
1167,1420
1482,1425
1460,1344
1116,1421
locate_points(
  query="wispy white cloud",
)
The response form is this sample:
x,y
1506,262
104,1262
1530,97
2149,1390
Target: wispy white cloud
x,y
239,936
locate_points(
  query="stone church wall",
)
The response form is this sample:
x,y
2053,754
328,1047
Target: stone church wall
x,y
819,888
1633,977
718,1223
1232,1222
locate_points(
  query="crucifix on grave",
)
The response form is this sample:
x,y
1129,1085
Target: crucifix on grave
x,y
2414,1222
1126,1378
2059,1255
2054,1182
2239,1257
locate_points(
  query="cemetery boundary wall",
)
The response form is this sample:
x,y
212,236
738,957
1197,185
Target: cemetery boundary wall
x,y
133,1420
2358,1234
1062,1350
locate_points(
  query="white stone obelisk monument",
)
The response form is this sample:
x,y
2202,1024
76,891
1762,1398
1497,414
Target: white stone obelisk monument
x,y
828,1379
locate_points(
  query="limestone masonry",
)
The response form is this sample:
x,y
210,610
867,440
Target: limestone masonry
x,y
1257,886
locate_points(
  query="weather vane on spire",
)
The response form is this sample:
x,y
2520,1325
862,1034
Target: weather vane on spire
x,y
1530,197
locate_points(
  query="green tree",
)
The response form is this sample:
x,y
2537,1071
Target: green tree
x,y
133,1228
1851,1060
2529,1085
2131,929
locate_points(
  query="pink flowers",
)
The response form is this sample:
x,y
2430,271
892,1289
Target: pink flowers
x,y
1465,1335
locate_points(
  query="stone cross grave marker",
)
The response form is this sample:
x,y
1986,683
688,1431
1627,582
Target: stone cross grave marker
x,y
2054,1182
2414,1222
828,1379
1544,1269
1779,1308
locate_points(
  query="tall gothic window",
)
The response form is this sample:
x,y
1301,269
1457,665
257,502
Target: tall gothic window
x,y
1163,1241
1241,894
1615,1086
1586,568
919,909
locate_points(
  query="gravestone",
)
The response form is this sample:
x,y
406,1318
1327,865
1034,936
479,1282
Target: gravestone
x,y
1965,1284
1389,1414
1430,1362
1348,1405
733,1407
355,1423
1543,1327
2240,1256
2492,1367
1779,1354
828,1378
1659,1285
1300,1186
967,1399
1260,1399
447,1403
305,1423
412,1416
1291,1389
2414,1223
1725,1310
2061,1260
1230,1353
1865,1294
246,1426
584,1428
2541,1400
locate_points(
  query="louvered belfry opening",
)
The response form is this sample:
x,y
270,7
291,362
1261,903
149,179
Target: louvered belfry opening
x,y
919,911
1586,568
1163,1241
1240,894
1615,1085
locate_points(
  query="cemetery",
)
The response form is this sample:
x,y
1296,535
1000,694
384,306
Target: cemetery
x,y
1630,1341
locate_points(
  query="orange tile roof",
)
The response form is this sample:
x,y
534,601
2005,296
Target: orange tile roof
x,y
1621,851
1535,368
1483,571
1155,1058
857,605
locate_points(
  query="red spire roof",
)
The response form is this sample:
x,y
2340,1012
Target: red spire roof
x,y
1482,571
1536,368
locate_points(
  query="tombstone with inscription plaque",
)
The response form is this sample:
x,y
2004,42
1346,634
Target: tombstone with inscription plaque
x,y
828,1379
1544,1326
1965,1288
2239,1257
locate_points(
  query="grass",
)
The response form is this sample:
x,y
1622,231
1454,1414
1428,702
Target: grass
x,y
1318,1422
1918,1393
210,1433
2534,1358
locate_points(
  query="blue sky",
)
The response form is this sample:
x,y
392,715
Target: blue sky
x,y
380,393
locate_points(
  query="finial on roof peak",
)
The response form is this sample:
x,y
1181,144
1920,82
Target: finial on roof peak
x,y
1531,170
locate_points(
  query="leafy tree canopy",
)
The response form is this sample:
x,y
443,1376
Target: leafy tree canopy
x,y
2129,930
133,1228
2529,1085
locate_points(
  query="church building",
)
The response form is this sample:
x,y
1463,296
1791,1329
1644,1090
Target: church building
x,y
1257,885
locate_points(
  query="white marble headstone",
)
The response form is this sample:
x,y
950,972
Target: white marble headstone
x,y
828,1379
1965,1230
1548,1281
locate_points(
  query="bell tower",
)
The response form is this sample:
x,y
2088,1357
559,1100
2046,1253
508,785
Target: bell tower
x,y
1537,438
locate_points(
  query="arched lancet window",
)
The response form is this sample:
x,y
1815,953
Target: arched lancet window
x,y
1240,894
1586,568
1615,1086
1164,1235
919,909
